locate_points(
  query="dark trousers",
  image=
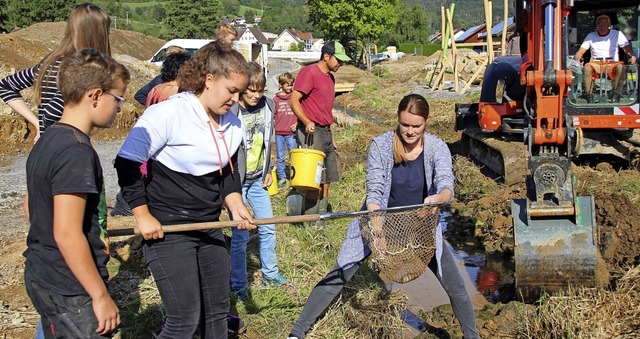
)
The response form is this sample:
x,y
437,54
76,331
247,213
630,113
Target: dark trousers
x,y
66,316
330,286
191,270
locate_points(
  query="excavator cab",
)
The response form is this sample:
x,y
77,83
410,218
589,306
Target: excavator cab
x,y
615,83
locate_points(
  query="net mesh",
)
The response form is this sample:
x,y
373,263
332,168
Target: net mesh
x,y
402,242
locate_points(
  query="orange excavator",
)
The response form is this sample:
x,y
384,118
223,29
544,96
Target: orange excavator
x,y
535,117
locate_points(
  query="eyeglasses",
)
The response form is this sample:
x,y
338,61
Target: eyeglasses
x,y
120,99
340,62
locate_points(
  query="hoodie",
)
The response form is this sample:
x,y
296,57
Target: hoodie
x,y
283,116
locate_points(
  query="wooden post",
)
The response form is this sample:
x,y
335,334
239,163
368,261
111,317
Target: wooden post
x,y
488,22
443,26
505,13
441,65
453,47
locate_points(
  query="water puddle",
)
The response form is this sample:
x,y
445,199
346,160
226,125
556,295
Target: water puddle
x,y
491,273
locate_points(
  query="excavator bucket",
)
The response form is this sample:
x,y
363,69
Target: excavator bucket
x,y
554,252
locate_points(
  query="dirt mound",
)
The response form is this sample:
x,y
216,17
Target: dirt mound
x,y
49,34
26,47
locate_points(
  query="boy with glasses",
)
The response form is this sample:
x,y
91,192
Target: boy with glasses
x,y
67,254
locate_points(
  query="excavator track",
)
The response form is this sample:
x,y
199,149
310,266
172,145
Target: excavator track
x,y
505,156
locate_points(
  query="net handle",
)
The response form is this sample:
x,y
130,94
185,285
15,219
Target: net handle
x,y
263,221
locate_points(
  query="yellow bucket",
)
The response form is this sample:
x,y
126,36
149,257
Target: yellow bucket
x,y
306,168
273,188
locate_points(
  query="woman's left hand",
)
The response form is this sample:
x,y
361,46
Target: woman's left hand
x,y
246,218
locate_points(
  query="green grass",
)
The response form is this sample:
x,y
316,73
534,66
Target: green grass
x,y
243,9
134,5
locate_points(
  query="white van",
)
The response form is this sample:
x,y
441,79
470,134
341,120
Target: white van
x,y
251,51
191,46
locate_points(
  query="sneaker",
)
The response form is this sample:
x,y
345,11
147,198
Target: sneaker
x,y
235,325
282,182
278,280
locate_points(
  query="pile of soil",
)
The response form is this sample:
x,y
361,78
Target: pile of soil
x,y
26,47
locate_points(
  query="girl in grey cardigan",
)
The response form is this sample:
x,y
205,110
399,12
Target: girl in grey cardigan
x,y
404,167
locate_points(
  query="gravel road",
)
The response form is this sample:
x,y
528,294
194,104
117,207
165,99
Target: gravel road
x,y
13,185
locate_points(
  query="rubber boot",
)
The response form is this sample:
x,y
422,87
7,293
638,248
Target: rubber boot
x,y
323,207
294,204
310,207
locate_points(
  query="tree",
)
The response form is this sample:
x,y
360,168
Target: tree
x,y
250,16
231,7
414,25
23,13
281,14
296,47
193,19
346,20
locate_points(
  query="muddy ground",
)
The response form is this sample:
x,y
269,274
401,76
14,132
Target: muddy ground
x,y
481,211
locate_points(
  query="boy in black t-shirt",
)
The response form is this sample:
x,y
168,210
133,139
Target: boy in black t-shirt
x,y
67,254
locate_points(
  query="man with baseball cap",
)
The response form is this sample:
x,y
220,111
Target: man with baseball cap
x,y
603,44
312,102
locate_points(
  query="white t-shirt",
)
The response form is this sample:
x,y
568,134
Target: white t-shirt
x,y
604,46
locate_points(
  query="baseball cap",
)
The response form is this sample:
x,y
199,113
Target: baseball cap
x,y
336,49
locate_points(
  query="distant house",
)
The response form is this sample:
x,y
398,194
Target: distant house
x,y
292,36
240,21
435,37
271,37
317,45
472,34
496,32
251,35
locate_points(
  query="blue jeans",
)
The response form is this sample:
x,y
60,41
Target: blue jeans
x,y
284,145
191,270
260,203
71,316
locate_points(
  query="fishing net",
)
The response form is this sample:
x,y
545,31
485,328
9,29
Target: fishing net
x,y
402,241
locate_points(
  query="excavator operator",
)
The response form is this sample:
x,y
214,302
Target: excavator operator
x,y
603,44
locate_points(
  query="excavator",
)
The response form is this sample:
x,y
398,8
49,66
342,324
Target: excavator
x,y
534,119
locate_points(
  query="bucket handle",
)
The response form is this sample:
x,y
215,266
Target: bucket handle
x,y
308,140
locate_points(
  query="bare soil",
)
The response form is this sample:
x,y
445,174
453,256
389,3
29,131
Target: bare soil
x,y
481,211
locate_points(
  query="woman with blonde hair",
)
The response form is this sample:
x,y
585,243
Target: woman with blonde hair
x,y
87,27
